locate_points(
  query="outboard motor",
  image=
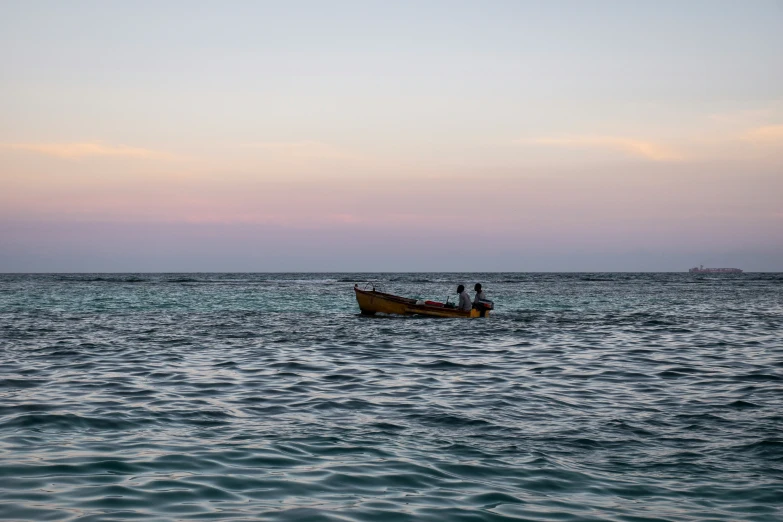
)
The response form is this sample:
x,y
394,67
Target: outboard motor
x,y
483,306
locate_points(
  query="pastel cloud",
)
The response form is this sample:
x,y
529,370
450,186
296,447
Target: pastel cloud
x,y
301,149
645,149
82,150
765,135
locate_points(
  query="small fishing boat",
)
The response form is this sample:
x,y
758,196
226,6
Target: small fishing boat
x,y
372,302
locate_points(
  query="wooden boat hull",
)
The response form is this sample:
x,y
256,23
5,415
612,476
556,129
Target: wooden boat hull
x,y
372,302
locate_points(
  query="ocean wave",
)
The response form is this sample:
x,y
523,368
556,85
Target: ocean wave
x,y
266,396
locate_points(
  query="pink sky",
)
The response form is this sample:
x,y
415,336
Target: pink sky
x,y
146,148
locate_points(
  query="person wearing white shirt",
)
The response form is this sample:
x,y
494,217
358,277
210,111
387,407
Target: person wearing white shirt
x,y
464,299
480,296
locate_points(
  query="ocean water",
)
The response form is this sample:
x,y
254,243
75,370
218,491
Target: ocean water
x,y
624,397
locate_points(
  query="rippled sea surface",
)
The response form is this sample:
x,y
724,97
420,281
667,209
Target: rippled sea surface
x,y
628,397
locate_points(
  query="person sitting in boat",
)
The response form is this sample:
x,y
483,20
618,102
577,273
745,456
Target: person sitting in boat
x,y
480,295
464,299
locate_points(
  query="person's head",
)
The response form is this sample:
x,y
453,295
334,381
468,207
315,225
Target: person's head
x,y
477,288
460,289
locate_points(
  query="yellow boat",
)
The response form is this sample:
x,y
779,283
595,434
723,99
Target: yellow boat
x,y
372,302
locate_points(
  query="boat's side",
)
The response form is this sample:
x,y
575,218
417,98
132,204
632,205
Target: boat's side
x,y
372,302
436,311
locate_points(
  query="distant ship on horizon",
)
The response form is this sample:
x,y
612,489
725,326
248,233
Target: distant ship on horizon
x,y
701,270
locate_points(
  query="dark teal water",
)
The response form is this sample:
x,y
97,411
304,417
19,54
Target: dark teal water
x,y
627,397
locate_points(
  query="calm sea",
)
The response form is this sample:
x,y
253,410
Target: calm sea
x,y
625,397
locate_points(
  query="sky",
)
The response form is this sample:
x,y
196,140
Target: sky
x,y
390,136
